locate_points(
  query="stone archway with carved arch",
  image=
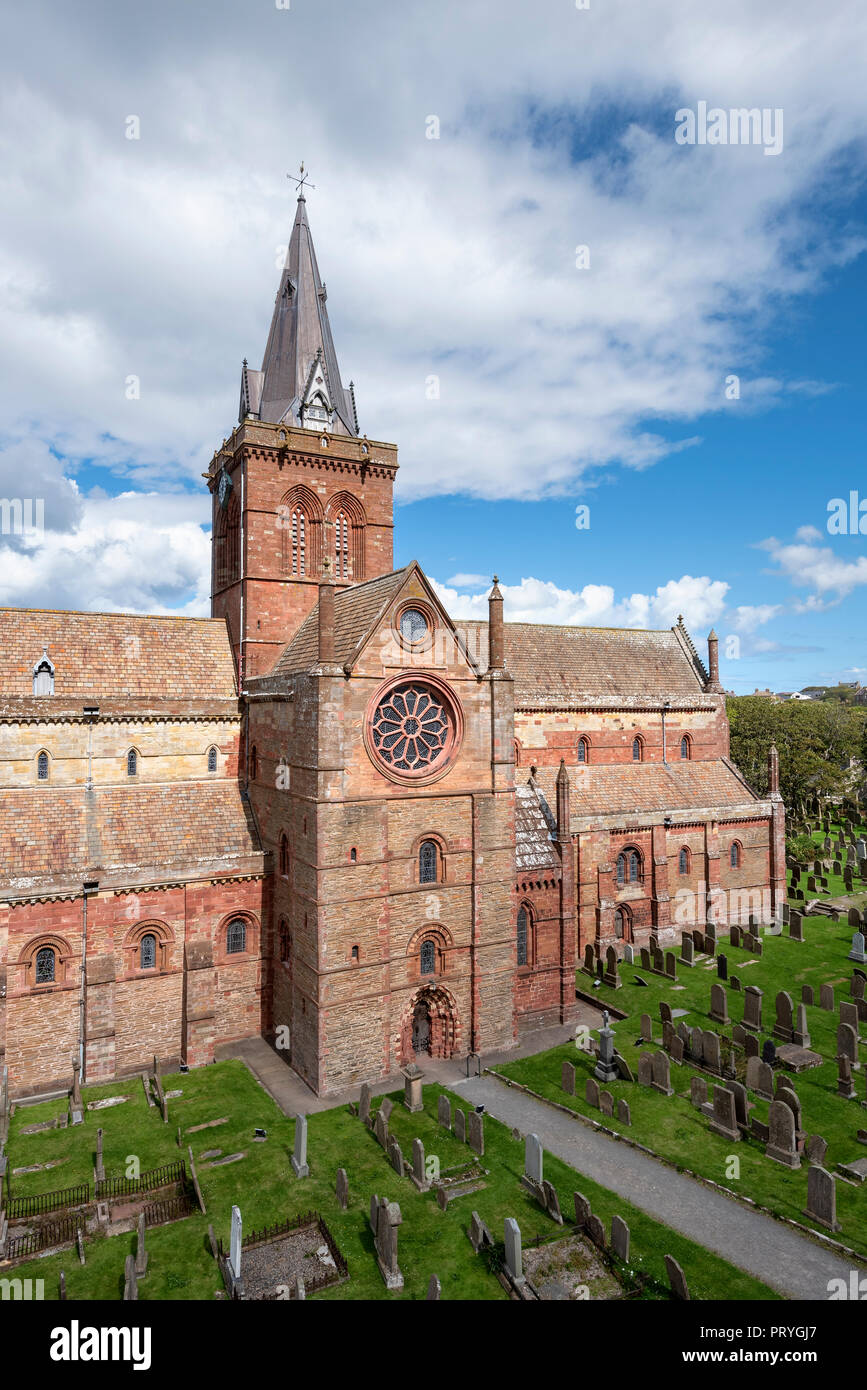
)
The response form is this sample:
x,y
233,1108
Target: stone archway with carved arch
x,y
431,1019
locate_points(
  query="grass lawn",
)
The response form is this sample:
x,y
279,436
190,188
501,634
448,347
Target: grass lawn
x,y
836,886
430,1241
671,1127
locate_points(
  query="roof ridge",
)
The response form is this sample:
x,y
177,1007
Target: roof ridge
x,y
105,613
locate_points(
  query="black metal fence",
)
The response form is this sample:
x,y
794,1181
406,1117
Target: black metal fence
x,y
169,1209
40,1202
145,1182
50,1233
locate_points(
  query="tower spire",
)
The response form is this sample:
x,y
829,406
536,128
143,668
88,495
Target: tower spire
x,y
299,382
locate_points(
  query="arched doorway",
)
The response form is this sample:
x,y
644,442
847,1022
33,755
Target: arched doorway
x,y
421,1028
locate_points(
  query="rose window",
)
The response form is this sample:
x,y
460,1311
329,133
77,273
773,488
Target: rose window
x,y
411,728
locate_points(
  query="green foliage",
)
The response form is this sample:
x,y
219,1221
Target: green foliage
x,y
802,848
815,739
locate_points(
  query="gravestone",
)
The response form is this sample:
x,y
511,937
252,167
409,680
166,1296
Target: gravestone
x,y
698,1091
751,1045
645,1069
822,1198
380,1129
844,1079
670,965
444,1112
582,1210
826,998
711,1049
645,957
606,1103
676,1278
611,978
742,1105
646,1028
815,1149
783,1027
719,1010
434,1290
628,953
591,1092
533,1162
567,1078
606,1067
677,1050
342,1189
141,1254
419,1171
724,1121
596,1231
364,1105
235,1244
781,1143
739,1037
388,1221
857,951
752,1019
806,994
668,1035
589,960
299,1159
847,1044
620,1238
551,1202
661,1074
696,1045
480,1236
460,1126
735,983
722,967
395,1155
99,1171
796,927
849,1014
665,1011
687,950
413,1090
130,1283
734,936
476,1133
514,1260
623,1112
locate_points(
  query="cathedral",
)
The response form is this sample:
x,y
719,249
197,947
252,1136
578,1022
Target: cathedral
x,y
330,814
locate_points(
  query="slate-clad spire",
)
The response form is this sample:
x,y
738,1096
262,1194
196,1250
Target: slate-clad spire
x,y
299,383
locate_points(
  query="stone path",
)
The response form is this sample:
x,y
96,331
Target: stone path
x,y
792,1264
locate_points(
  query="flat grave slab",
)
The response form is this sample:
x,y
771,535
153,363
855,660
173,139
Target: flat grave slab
x,y
679,1013
798,1059
856,1171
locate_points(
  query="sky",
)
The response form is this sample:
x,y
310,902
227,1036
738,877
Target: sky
x,y
625,372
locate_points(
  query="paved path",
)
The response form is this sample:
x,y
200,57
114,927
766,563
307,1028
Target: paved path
x,y
792,1264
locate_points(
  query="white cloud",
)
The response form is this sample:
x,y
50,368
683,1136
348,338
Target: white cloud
x,y
701,601
748,617
808,565
469,581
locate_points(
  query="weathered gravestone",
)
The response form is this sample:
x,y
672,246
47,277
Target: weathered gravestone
x,y
364,1104
551,1202
645,1069
661,1074
387,1223
719,1010
460,1126
342,1189
822,1198
722,967
724,1121
299,1159
591,1092
444,1112
476,1133
698,1091
623,1112
857,952
567,1078
847,1044
826,998
844,1079
752,1019
784,1027
781,1143
533,1163
620,1238
815,1150
514,1259
676,1278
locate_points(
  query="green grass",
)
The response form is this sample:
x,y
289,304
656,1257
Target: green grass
x,y
836,885
672,1128
430,1241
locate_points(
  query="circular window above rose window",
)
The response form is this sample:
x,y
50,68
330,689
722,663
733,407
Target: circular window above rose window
x,y
414,729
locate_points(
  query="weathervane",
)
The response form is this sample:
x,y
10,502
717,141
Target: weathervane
x,y
302,183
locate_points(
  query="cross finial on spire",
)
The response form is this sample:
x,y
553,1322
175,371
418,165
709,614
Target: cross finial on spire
x,y
301,182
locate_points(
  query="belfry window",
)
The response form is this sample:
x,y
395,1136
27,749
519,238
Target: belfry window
x,y
298,529
342,566
131,763
523,936
583,750
628,867
45,966
42,767
148,952
685,750
735,855
683,862
636,750
212,759
428,958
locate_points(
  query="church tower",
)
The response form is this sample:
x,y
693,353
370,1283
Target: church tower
x,y
297,491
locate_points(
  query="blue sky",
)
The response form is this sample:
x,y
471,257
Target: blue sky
x,y
154,259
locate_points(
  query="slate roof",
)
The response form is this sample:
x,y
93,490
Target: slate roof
x,y
355,612
533,847
558,666
299,331
623,788
116,655
70,834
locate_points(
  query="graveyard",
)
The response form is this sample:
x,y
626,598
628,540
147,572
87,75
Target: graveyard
x,y
439,1199
720,1039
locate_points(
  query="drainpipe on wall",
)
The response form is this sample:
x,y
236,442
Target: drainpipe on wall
x,y
89,886
666,706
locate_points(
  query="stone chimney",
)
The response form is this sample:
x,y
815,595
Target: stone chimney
x,y
496,643
713,683
774,773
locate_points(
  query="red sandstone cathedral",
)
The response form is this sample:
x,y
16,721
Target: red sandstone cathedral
x,y
331,814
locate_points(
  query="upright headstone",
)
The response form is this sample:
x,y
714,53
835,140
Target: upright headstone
x,y
822,1198
800,1034
364,1104
724,1121
826,998
444,1112
460,1126
661,1074
857,952
784,1025
676,1278
752,1019
533,1163
130,1283
719,1009
235,1244
141,1254
99,1171
606,1068
781,1142
620,1238
388,1221
299,1159
514,1259
342,1189
476,1133
567,1078
722,967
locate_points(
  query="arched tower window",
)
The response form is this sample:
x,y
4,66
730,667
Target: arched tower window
x,y
46,962
736,854
427,862
148,952
212,759
42,767
428,958
523,936
621,923
236,937
686,747
583,750
131,763
637,750
683,861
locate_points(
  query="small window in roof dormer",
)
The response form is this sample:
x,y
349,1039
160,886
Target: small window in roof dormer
x,y
43,675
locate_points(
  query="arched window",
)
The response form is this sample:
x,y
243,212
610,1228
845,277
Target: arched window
x,y
683,861
43,676
131,763
42,767
523,936
735,855
254,764
685,747
148,952
212,759
45,966
298,540
427,862
629,868
620,922
236,937
428,958
342,562
284,857
285,942
583,750
637,750
353,856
